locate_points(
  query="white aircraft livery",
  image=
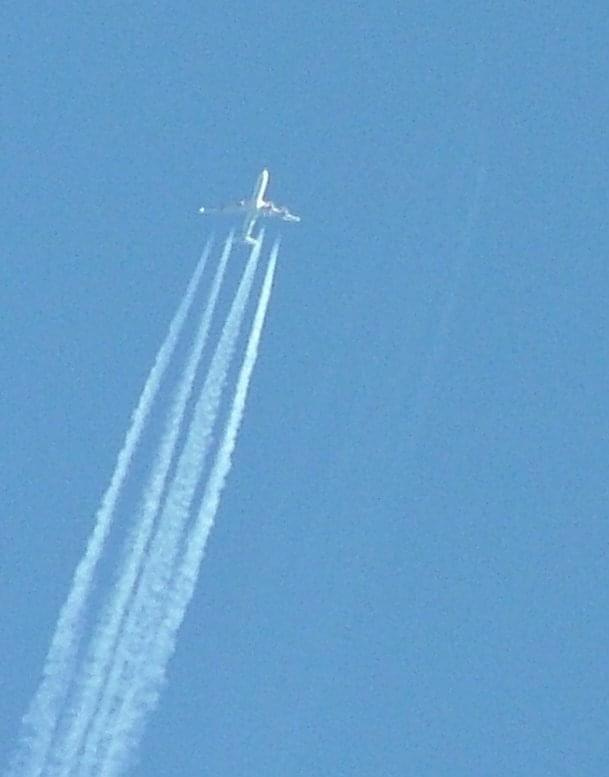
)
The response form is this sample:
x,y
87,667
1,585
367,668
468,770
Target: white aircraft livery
x,y
254,207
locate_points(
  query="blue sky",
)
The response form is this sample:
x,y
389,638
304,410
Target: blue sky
x,y
409,573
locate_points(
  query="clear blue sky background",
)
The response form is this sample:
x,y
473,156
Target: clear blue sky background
x,y
409,575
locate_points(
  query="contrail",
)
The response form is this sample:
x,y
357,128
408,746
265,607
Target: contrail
x,y
103,644
40,721
146,610
143,692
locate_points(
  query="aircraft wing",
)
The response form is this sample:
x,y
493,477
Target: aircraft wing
x,y
287,216
282,212
225,210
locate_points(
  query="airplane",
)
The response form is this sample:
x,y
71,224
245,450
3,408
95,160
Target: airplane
x,y
255,207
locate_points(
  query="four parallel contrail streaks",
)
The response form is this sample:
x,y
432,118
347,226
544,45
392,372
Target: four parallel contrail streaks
x,y
89,712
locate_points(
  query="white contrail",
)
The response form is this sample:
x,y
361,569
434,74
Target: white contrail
x,y
142,695
91,677
146,610
40,721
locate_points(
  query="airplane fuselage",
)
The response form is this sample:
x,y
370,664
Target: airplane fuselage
x,y
260,189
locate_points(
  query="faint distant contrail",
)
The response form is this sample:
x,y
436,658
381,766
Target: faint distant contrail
x,y
142,693
91,677
146,610
424,390
41,718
